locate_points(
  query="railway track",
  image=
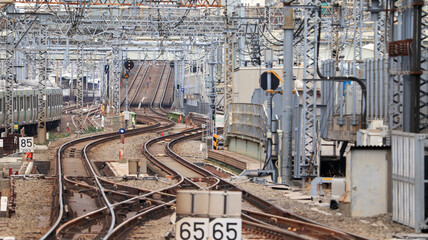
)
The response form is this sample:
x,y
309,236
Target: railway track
x,y
136,83
86,203
91,207
82,193
288,225
146,88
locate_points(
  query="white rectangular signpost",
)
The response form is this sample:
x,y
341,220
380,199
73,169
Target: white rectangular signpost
x,y
208,215
26,144
3,204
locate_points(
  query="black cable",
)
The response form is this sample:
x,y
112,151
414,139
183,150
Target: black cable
x,y
343,78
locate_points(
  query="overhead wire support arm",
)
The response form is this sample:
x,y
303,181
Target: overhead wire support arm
x,y
130,3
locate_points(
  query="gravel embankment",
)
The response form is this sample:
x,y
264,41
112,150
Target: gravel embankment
x,y
377,227
34,198
33,209
151,185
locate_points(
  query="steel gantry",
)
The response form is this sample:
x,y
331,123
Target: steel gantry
x,y
152,28
43,77
79,87
229,61
379,18
8,73
114,97
358,24
424,68
166,3
307,164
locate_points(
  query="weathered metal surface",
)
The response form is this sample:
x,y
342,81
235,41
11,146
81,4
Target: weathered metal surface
x,y
408,179
247,120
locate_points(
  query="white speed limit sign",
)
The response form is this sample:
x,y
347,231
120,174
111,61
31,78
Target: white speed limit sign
x,y
191,229
202,228
26,144
225,228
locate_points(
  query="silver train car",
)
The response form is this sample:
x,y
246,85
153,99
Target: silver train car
x,y
25,107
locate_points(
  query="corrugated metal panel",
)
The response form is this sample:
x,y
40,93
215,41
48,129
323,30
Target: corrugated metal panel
x,y
408,180
376,74
248,120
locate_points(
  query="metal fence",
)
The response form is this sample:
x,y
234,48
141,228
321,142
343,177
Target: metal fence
x,y
408,179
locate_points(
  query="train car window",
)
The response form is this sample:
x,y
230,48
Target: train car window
x,y
28,102
21,103
14,104
35,102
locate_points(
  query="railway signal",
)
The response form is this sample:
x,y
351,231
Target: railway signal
x,y
217,142
122,135
274,78
129,64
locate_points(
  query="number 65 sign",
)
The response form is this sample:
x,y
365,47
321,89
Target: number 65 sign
x,y
202,228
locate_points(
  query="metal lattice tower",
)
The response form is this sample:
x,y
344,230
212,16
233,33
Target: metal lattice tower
x,y
229,60
115,93
379,28
424,65
212,92
42,74
358,13
308,160
396,82
9,75
79,87
396,77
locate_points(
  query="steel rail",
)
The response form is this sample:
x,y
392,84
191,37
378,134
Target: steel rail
x,y
273,232
158,86
133,220
139,85
165,90
274,210
154,96
132,83
296,226
60,152
101,189
161,165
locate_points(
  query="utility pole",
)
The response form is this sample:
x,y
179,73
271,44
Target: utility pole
x,y
269,60
212,94
287,96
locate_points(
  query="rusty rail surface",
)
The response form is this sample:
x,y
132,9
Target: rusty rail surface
x,y
59,205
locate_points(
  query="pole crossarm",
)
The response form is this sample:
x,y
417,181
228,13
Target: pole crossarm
x,y
165,3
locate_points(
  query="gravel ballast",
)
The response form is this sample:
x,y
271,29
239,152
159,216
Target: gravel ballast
x,y
33,209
